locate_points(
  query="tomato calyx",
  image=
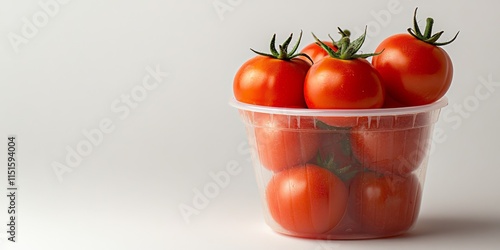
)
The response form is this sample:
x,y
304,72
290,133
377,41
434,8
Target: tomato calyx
x,y
283,53
347,50
331,164
427,36
324,126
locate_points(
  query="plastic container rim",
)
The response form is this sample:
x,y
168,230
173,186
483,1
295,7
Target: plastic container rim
x,y
341,112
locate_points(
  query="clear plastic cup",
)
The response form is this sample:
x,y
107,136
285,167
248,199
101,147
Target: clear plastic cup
x,y
340,174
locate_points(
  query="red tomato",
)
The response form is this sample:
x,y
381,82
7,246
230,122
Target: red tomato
x,y
275,79
384,205
391,145
315,52
306,200
285,141
271,82
343,84
415,70
343,79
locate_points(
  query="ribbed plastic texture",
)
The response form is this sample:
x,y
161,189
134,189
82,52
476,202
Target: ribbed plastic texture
x,y
340,174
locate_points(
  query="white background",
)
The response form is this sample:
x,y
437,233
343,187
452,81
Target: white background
x,y
68,72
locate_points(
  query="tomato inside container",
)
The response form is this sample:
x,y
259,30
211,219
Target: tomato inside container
x,y
359,181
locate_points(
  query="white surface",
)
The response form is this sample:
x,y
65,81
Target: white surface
x,y
71,74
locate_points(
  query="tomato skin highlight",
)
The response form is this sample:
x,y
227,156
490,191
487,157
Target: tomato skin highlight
x,y
414,72
272,82
384,205
306,199
284,142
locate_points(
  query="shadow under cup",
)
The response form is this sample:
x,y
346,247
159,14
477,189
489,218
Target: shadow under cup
x,y
340,174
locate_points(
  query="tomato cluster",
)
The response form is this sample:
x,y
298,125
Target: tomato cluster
x,y
344,175
408,70
346,182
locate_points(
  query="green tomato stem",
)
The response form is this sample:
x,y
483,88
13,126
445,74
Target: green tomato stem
x,y
283,53
428,37
347,49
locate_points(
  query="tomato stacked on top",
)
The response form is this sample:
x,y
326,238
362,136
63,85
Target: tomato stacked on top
x,y
408,70
344,174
